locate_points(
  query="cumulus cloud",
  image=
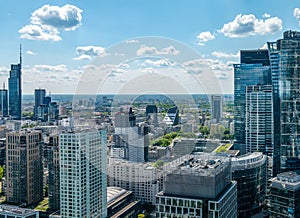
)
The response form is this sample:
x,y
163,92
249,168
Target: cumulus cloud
x,y
149,50
219,54
266,15
204,37
51,68
87,52
222,70
36,32
158,63
31,52
47,21
297,14
249,25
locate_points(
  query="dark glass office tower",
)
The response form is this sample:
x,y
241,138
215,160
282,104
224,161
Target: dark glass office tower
x,y
3,102
15,90
254,69
285,66
39,102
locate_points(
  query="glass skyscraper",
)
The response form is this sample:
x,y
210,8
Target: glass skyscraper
x,y
15,90
254,69
259,123
284,56
4,102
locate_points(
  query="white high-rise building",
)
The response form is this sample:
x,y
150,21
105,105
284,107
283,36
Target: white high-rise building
x,y
140,178
83,180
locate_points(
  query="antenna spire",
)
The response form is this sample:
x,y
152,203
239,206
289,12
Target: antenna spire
x,y
21,55
3,85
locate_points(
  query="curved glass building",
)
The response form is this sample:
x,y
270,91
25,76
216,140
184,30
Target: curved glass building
x,y
250,172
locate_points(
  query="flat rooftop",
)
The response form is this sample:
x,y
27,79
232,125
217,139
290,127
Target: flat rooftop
x,y
14,210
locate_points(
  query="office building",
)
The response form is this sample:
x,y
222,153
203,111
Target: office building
x,y
54,173
8,211
136,136
285,195
216,108
83,173
259,123
39,103
254,69
24,170
172,117
198,186
4,101
250,172
151,115
15,90
140,178
284,55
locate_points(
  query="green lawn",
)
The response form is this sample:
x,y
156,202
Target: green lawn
x,y
43,205
223,148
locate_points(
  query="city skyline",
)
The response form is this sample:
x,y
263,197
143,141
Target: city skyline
x,y
58,46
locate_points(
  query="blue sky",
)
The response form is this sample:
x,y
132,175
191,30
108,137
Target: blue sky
x,y
68,35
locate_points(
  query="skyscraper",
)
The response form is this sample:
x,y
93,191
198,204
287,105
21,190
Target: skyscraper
x,y
15,90
24,170
39,101
83,174
259,124
136,136
253,70
4,101
216,107
54,171
284,56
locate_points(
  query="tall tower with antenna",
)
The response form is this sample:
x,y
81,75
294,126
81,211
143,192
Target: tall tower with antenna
x,y
15,89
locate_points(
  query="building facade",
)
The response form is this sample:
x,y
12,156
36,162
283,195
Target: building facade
x,y
4,102
254,69
39,103
250,172
285,77
140,178
216,108
198,186
24,168
259,123
83,174
285,195
15,91
135,137
54,173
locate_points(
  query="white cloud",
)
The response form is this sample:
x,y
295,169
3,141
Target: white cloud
x,y
149,50
297,14
131,41
31,52
249,25
87,52
204,37
219,54
46,22
266,15
35,32
158,63
51,68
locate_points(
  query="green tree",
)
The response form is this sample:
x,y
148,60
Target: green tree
x,y
204,130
